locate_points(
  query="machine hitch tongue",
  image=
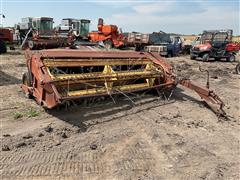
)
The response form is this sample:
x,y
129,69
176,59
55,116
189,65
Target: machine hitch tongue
x,y
212,100
203,70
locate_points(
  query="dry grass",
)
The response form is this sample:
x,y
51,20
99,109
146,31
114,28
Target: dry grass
x,y
236,38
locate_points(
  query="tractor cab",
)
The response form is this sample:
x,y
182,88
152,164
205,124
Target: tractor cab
x,y
213,37
79,27
84,28
38,33
215,44
221,39
43,26
216,37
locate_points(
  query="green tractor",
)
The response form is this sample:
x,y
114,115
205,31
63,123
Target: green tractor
x,y
39,33
75,29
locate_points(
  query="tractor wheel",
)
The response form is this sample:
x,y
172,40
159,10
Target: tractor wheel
x,y
170,54
231,58
238,68
139,47
3,47
205,57
26,79
192,57
30,44
108,44
27,82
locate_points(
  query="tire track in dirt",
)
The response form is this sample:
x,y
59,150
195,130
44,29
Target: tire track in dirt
x,y
137,146
54,163
186,157
57,168
145,158
163,164
49,157
143,142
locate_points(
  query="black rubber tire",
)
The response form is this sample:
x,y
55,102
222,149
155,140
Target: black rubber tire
x,y
238,68
108,44
231,58
139,47
205,57
3,47
12,48
26,79
170,54
192,57
30,44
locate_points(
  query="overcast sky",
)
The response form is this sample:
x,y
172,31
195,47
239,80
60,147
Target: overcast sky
x,y
178,16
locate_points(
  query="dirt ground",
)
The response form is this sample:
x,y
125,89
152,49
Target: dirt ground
x,y
150,139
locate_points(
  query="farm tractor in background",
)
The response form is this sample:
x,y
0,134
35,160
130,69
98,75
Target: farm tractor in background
x,y
6,37
108,34
77,29
38,33
215,44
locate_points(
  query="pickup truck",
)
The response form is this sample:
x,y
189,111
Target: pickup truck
x,y
170,47
160,42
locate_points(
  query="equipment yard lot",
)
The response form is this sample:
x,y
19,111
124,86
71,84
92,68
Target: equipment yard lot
x,y
153,139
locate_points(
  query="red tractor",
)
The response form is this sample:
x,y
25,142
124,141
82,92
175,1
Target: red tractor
x,y
38,33
6,36
215,44
108,34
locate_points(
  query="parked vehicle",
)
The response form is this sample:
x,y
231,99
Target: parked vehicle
x,y
160,42
137,40
6,36
78,27
215,44
38,33
108,34
164,44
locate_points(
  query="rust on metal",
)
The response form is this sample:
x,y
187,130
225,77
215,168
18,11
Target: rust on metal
x,y
64,74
